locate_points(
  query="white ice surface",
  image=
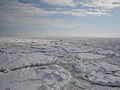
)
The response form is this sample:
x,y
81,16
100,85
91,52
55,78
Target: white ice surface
x,y
55,64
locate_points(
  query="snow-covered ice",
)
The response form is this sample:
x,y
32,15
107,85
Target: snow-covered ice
x,y
90,56
59,63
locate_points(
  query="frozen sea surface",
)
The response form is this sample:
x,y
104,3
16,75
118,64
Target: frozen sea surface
x,y
90,56
59,63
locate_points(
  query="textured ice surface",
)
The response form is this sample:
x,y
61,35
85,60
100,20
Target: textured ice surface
x,y
90,56
59,64
45,77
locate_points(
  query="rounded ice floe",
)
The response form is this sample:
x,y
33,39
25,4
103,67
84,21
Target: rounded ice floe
x,y
55,76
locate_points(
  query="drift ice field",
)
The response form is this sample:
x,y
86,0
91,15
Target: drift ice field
x,y
59,63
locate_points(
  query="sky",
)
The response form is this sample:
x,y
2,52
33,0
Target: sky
x,y
60,18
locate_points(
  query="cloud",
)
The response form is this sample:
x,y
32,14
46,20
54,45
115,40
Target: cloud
x,y
19,9
60,2
87,12
45,22
79,8
104,4
27,14
42,14
84,7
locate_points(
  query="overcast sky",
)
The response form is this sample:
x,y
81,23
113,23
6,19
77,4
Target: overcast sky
x,y
69,18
